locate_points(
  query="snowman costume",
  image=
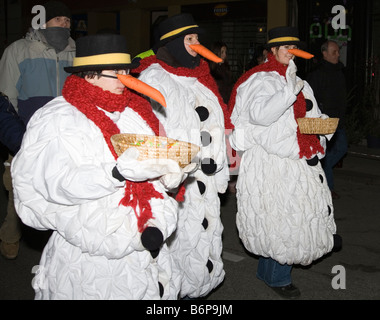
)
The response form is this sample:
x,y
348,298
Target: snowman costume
x,y
110,215
194,113
285,209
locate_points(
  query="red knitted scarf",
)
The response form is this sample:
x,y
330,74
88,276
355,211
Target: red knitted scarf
x,y
86,97
201,73
308,143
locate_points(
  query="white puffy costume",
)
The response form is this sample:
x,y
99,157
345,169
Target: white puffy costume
x,y
285,209
194,114
63,180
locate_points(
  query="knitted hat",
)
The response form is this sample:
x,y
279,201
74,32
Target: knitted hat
x,y
56,9
281,36
101,52
177,25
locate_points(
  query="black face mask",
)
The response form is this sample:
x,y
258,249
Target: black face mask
x,y
177,49
57,37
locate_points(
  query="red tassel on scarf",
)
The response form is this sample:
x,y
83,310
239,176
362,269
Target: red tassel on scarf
x,y
137,195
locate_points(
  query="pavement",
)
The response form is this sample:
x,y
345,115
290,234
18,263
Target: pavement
x,y
357,265
350,274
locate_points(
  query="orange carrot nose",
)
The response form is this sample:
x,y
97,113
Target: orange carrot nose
x,y
206,53
301,53
142,87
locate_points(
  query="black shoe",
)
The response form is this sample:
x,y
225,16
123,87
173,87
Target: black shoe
x,y
338,243
288,292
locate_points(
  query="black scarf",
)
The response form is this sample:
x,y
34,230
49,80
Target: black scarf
x,y
57,37
177,49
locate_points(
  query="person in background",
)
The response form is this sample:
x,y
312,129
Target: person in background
x,y
221,71
31,74
222,74
12,130
110,214
3,192
195,113
151,51
329,85
285,211
32,69
259,57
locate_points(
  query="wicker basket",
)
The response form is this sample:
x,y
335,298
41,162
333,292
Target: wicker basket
x,y
317,125
156,147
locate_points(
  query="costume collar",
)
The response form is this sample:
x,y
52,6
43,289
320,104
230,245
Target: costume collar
x,y
200,73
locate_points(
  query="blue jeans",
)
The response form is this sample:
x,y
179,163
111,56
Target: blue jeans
x,y
273,273
336,149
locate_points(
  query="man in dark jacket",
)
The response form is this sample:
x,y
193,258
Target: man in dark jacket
x,y
12,130
329,86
